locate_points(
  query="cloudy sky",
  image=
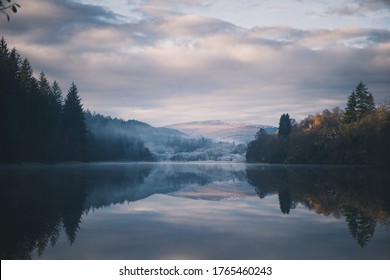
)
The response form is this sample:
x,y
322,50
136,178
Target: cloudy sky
x,y
172,61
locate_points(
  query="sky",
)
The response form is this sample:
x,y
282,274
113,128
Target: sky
x,y
171,61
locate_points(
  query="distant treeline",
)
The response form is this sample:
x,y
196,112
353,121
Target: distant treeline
x,y
360,134
38,124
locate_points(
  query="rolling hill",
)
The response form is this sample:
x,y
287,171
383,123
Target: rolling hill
x,y
232,132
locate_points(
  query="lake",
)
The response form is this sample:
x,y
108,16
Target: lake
x,y
194,211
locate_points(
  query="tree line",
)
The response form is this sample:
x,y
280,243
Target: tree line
x,y
39,125
360,134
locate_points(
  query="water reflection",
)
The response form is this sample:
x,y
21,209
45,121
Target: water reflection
x,y
360,194
38,202
41,203
37,205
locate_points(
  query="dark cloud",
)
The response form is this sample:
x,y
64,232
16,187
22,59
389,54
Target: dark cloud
x,y
56,21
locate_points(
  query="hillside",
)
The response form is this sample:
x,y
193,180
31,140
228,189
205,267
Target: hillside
x,y
118,137
232,132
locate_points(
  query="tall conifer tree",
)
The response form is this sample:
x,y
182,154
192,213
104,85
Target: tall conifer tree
x,y
350,111
364,101
359,104
74,127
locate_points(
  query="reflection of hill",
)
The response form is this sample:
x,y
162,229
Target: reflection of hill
x,y
114,183
163,179
360,194
39,202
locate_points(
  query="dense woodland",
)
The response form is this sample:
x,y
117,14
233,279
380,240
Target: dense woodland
x,y
39,125
360,134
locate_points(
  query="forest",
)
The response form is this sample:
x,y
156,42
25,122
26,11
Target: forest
x,y
38,124
359,134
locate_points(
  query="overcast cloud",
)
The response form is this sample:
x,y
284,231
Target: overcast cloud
x,y
166,62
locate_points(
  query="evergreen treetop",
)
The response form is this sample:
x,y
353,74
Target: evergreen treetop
x,y
364,101
350,110
360,103
73,111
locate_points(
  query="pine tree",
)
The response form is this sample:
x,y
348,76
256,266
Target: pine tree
x,y
364,101
3,48
27,81
4,101
359,104
9,69
14,67
74,127
56,98
44,85
50,102
350,111
55,103
33,126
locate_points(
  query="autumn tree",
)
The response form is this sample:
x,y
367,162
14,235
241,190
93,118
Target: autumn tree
x,y
358,136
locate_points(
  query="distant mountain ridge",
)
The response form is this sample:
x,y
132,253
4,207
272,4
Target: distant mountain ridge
x,y
118,139
222,131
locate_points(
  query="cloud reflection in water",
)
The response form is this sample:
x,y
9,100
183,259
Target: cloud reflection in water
x,y
194,211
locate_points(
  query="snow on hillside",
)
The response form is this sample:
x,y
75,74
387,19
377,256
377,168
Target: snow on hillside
x,y
222,131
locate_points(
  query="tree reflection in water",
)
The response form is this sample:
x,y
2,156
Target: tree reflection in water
x,y
39,203
359,194
361,225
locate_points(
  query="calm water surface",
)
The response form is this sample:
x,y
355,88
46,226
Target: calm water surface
x,y
194,211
